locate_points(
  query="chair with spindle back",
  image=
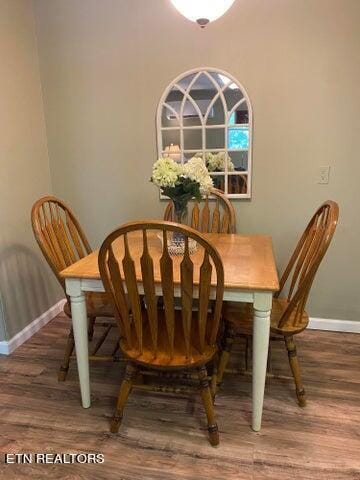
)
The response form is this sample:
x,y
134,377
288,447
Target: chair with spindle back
x,y
63,242
216,216
288,315
157,336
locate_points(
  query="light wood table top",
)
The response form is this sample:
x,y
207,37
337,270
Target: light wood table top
x,y
248,260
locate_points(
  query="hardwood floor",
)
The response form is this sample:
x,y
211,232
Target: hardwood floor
x,y
164,436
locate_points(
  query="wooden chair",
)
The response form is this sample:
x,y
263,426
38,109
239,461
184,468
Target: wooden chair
x,y
216,217
63,242
159,337
288,315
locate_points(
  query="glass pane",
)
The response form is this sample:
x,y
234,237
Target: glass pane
x,y
190,114
193,139
175,95
216,113
219,79
239,116
185,81
173,103
238,161
203,92
237,184
224,81
168,117
232,97
215,138
203,84
219,182
170,137
238,137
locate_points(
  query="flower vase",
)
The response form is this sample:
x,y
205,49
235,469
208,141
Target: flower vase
x,y
180,214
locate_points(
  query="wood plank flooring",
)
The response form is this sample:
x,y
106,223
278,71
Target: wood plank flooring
x,y
164,437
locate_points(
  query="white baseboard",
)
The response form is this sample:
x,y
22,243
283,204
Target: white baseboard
x,y
8,346
331,325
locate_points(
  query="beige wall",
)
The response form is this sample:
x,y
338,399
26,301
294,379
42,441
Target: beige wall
x,y
105,64
26,285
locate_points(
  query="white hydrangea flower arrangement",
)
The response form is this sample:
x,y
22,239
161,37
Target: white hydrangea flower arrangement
x,y
166,172
195,169
182,183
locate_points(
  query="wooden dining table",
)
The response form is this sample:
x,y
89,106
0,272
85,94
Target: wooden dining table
x,y
250,276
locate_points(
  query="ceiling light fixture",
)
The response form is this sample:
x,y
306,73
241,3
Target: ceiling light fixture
x,y
202,11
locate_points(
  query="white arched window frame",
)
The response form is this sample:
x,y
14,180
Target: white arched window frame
x,y
204,126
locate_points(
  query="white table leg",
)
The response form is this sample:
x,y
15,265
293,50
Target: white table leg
x,y
261,334
80,327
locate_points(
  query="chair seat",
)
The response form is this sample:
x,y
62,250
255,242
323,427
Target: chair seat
x,y
240,316
97,305
163,357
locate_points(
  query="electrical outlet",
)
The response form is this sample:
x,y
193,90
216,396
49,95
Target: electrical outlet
x,y
324,173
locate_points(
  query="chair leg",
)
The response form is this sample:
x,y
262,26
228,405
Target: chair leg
x,y
209,407
295,368
225,355
64,368
213,384
125,390
91,328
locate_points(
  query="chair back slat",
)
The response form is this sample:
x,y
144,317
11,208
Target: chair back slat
x,y
65,244
58,233
69,248
56,242
305,261
211,216
133,293
204,296
311,256
205,216
147,273
187,275
217,308
167,283
45,236
57,239
146,261
225,224
74,236
119,297
304,250
216,218
195,215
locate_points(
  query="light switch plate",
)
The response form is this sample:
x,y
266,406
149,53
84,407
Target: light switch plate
x,y
324,173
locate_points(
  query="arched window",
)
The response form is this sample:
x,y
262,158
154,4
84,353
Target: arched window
x,y
206,112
